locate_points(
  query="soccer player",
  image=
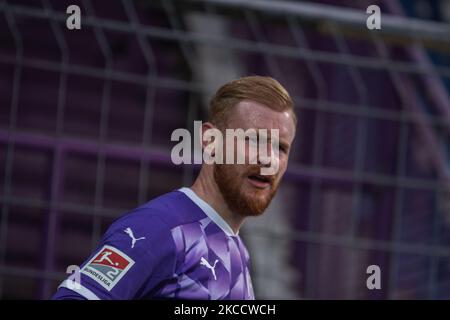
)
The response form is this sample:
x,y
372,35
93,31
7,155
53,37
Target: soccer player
x,y
185,244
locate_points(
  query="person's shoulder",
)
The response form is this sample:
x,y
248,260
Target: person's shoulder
x,y
162,213
146,231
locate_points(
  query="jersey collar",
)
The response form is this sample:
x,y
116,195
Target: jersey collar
x,y
209,211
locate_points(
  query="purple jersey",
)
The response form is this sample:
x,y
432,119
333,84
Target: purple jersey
x,y
175,246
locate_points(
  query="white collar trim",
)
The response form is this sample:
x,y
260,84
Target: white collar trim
x,y
209,211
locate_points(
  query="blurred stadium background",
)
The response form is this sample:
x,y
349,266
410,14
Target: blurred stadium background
x,y
86,118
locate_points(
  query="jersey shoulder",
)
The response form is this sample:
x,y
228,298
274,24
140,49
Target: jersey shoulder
x,y
167,211
137,252
148,229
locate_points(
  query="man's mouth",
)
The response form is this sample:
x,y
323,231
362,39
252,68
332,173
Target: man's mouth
x,y
260,181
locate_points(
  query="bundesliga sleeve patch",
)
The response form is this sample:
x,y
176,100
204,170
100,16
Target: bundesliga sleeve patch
x,y
108,266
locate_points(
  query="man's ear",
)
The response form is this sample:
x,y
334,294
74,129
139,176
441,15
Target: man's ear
x,y
206,126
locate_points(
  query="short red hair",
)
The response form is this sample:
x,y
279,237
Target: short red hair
x,y
264,90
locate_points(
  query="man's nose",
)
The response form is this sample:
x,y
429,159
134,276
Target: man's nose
x,y
265,155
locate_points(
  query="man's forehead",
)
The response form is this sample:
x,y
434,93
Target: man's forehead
x,y
251,114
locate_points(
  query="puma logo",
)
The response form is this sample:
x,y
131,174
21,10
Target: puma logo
x,y
133,239
204,262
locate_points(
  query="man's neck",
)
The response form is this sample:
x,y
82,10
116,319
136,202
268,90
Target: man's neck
x,y
207,189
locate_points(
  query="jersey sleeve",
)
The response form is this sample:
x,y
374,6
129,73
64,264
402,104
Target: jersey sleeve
x,y
134,256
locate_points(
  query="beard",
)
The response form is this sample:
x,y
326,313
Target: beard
x,y
250,203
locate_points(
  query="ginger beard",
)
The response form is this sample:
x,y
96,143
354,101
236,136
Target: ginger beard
x,y
237,193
